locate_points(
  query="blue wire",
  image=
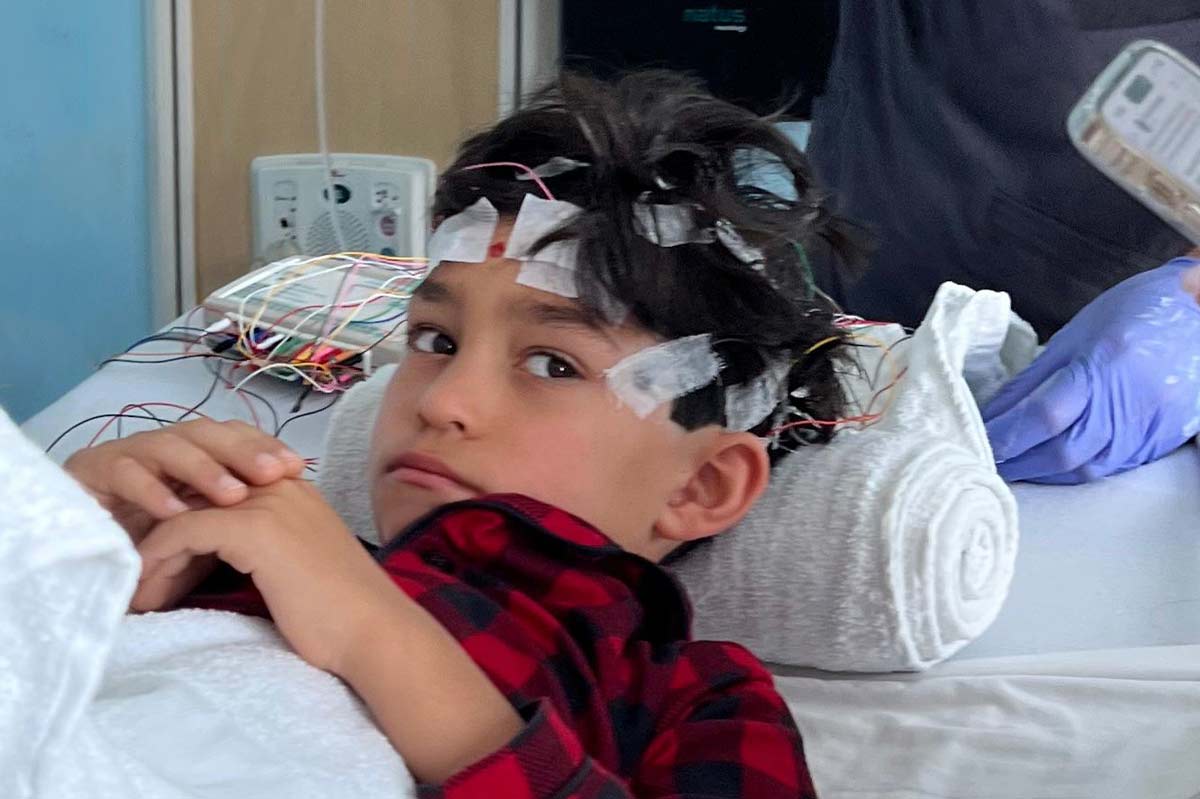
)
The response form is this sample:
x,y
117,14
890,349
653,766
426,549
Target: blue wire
x,y
400,315
165,333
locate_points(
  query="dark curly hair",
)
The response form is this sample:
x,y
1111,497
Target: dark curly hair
x,y
660,137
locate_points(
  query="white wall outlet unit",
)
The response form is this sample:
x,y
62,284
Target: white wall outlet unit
x,y
382,204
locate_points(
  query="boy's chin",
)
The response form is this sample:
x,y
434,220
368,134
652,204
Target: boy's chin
x,y
394,515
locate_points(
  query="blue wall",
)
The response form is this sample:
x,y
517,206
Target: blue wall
x,y
74,235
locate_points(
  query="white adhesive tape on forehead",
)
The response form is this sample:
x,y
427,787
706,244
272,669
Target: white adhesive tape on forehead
x,y
537,219
563,280
664,372
549,276
747,404
465,236
553,267
669,225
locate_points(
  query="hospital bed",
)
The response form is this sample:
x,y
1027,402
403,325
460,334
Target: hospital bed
x,y
1101,629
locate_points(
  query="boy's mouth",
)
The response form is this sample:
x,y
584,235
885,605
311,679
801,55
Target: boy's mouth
x,y
426,471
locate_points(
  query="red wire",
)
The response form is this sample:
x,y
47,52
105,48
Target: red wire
x,y
868,417
143,406
860,323
244,398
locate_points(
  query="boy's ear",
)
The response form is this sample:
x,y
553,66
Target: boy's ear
x,y
726,483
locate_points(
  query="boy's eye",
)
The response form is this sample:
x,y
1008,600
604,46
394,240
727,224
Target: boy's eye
x,y
543,364
427,339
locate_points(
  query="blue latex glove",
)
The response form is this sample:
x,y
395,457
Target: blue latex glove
x,y
1117,387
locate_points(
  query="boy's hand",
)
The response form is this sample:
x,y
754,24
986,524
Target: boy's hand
x,y
321,586
152,476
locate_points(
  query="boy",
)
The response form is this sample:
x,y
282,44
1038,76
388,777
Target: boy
x,y
613,321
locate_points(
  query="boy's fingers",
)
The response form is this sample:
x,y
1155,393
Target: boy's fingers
x,y
181,460
132,482
195,534
253,455
161,591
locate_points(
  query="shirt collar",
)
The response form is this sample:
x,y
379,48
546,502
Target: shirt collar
x,y
554,533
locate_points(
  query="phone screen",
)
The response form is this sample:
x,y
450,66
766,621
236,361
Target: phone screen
x,y
1156,109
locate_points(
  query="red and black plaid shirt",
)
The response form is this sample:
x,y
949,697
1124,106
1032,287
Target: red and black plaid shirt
x,y
590,644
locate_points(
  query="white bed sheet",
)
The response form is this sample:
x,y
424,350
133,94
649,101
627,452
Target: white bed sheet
x,y
1119,723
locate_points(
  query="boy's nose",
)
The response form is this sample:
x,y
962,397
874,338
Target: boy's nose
x,y
460,398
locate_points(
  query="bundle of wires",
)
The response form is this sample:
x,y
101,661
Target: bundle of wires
x,y
298,343
865,414
303,343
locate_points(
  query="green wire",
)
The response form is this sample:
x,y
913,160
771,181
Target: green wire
x,y
810,282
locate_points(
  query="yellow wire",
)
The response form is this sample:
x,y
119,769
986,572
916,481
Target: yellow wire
x,y
885,349
820,344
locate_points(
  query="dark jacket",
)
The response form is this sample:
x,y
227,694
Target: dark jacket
x,y
943,128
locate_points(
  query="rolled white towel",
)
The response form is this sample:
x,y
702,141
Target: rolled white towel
x,y
888,548
342,478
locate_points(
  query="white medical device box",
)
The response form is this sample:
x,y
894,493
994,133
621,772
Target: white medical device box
x,y
382,204
1139,124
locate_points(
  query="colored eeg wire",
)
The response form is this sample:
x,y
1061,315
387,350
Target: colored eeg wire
x,y
351,317
317,346
344,286
865,417
332,383
305,265
143,406
346,261
322,387
330,375
191,336
534,176
270,290
314,310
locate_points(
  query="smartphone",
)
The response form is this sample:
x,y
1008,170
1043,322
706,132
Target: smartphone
x,y
1139,123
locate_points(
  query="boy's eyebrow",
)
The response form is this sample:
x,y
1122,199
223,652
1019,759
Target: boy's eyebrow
x,y
432,291
572,316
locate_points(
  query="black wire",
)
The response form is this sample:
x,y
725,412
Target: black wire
x,y
259,397
270,407
384,337
149,415
119,359
322,409
64,433
299,403
884,357
211,388
217,377
118,416
166,336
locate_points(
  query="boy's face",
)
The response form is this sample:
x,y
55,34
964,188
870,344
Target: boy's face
x,y
503,390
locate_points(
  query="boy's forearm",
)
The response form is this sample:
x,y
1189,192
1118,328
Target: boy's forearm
x,y
435,705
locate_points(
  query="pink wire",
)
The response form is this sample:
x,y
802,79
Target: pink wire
x,y
532,175
143,405
347,284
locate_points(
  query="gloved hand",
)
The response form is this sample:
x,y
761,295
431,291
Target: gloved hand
x,y
1117,387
